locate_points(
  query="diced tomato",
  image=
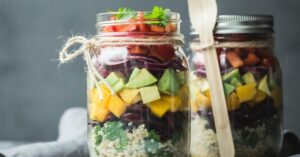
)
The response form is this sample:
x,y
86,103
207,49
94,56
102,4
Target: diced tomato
x,y
139,50
251,59
234,59
171,28
156,28
108,29
144,27
162,52
126,28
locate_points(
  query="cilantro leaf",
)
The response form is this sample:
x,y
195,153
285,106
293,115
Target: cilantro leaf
x,y
125,14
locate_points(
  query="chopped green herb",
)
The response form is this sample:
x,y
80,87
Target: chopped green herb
x,y
97,129
125,14
97,152
98,139
160,14
113,131
153,135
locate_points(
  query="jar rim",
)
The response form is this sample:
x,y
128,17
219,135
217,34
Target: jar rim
x,y
243,24
103,18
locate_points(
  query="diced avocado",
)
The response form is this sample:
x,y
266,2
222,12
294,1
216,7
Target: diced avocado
x,y
128,95
119,85
231,74
181,77
134,73
149,94
140,78
272,82
228,88
249,78
236,82
263,86
169,83
113,78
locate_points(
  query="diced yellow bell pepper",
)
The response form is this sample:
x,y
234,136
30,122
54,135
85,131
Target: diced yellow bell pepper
x,y
259,97
277,97
183,93
94,96
246,92
194,106
202,100
97,113
207,93
174,101
159,107
116,106
128,95
233,102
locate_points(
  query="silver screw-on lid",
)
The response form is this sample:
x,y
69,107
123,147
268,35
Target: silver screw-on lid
x,y
235,24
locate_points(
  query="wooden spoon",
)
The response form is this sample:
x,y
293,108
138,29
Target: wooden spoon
x,y
203,16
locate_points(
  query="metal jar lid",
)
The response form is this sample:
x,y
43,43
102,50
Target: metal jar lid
x,y
243,24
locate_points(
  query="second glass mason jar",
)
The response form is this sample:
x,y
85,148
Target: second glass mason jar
x,y
252,85
141,60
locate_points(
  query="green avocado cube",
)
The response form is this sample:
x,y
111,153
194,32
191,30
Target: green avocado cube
x,y
236,82
169,83
228,89
272,82
140,78
134,73
119,85
149,94
231,74
249,78
263,86
114,77
181,77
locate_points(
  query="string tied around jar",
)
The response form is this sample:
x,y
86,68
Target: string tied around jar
x,y
86,46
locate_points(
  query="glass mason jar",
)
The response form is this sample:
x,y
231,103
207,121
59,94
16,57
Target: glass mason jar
x,y
252,84
144,110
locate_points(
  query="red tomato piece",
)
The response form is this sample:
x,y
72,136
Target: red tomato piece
x,y
139,50
251,59
171,28
156,28
108,29
126,28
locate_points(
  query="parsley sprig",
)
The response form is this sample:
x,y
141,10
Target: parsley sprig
x,y
125,14
160,14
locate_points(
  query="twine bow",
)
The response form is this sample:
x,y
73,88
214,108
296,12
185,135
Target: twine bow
x,y
86,45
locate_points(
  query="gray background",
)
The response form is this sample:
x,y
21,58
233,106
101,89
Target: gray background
x,y
33,95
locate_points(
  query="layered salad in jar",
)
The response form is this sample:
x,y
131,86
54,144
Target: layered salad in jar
x,y
147,113
252,85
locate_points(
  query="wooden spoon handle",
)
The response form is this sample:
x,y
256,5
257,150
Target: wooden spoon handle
x,y
220,112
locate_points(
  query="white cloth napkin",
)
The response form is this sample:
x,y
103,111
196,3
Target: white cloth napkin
x,y
71,142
